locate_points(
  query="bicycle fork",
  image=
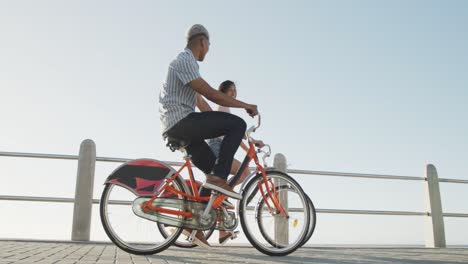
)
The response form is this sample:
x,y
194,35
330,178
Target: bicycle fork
x,y
274,198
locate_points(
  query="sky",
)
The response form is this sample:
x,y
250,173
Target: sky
x,y
365,87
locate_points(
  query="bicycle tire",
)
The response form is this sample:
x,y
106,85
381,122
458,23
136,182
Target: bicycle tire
x,y
312,224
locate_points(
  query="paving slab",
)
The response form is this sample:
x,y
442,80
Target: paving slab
x,y
80,253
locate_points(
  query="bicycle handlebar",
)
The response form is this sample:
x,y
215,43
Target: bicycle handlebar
x,y
259,121
253,128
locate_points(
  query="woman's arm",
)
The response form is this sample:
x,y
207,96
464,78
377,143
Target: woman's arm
x,y
243,146
202,105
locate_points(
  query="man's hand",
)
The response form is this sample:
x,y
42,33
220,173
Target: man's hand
x,y
258,143
252,110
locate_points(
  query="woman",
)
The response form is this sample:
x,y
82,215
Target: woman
x,y
229,88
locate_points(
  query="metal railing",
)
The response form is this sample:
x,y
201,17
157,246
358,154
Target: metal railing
x,y
435,237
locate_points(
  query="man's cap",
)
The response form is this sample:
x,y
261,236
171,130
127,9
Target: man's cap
x,y
195,31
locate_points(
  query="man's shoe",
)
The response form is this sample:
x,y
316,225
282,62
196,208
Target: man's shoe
x,y
219,184
199,238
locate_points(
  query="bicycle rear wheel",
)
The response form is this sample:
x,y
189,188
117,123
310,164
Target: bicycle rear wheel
x,y
277,234
128,231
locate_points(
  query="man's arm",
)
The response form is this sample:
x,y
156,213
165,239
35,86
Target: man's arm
x,y
202,104
203,88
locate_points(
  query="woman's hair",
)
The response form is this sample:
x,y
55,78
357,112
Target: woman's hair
x,y
224,86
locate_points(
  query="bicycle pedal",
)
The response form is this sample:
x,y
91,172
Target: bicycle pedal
x,y
190,235
234,234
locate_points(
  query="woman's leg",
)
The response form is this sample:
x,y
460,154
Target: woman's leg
x,y
235,167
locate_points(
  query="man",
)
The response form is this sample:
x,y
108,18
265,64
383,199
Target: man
x,y
178,99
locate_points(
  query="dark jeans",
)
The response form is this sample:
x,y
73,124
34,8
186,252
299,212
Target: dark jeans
x,y
197,127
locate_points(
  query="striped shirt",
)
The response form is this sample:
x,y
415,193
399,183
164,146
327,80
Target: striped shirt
x,y
176,98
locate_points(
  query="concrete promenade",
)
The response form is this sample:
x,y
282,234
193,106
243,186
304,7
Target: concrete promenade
x,y
68,253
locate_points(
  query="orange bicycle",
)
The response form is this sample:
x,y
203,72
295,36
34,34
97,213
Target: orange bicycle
x,y
277,217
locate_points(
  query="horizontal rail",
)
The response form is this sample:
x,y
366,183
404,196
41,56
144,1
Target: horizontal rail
x,y
356,175
326,211
38,155
295,171
455,215
36,199
453,181
54,199
341,211
370,212
72,157
329,211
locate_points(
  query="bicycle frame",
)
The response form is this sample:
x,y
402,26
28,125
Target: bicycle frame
x,y
250,155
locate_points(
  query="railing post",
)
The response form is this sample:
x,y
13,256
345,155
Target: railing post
x,y
84,191
435,231
281,223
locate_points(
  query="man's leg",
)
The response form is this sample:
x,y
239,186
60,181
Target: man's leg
x,y
197,127
202,156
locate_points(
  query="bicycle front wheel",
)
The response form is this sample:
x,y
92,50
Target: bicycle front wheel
x,y
268,228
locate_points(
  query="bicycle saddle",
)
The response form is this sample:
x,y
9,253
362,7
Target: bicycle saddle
x,y
175,143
